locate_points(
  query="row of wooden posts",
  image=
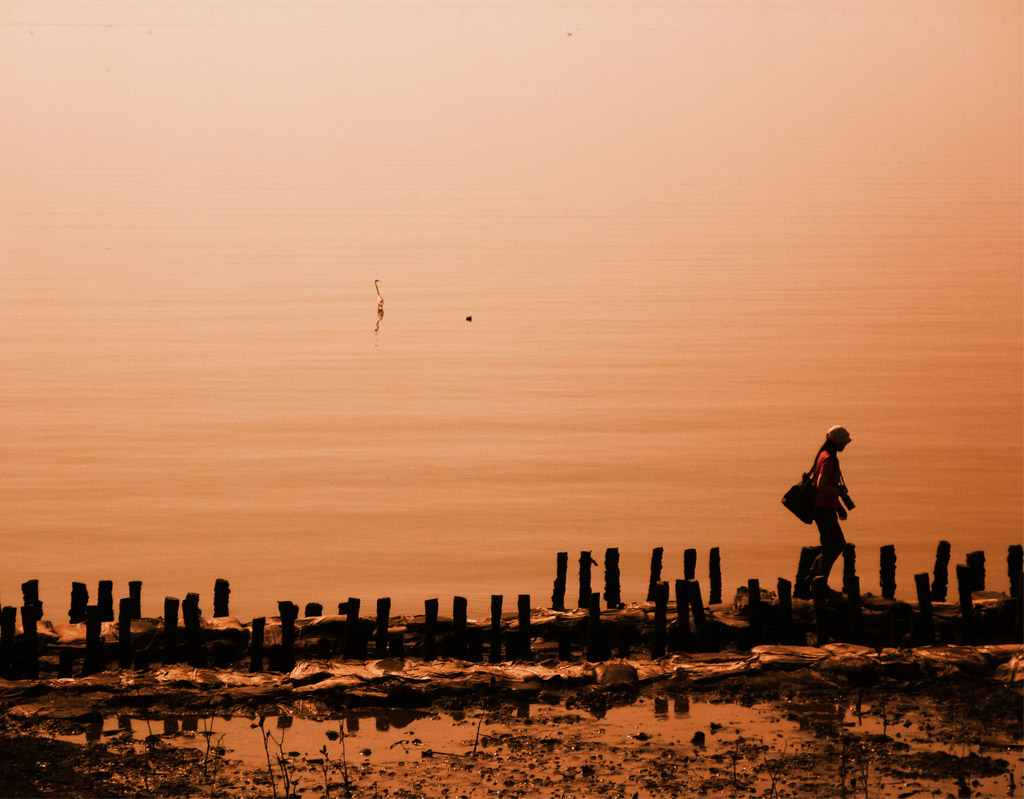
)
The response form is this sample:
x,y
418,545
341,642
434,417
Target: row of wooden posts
x,y
689,606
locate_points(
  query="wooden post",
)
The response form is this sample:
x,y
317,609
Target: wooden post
x,y
820,623
976,563
683,613
754,612
785,589
924,606
964,583
124,633
656,556
714,577
565,644
612,590
8,624
30,615
494,651
525,652
380,638
699,619
191,615
313,610
135,595
93,663
586,561
1014,565
660,620
288,612
802,584
354,648
259,625
561,572
594,629
66,664
849,559
221,594
30,595
460,610
887,570
940,577
105,600
79,602
851,587
430,630
689,564
170,629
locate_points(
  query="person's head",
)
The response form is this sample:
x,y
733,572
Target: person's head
x,y
837,438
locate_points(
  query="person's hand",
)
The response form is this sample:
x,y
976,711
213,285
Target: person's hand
x,y
842,512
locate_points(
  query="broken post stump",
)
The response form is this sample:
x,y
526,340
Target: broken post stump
x,y
926,621
1014,565
313,610
887,570
976,563
561,573
849,559
940,576
8,624
30,615
851,587
820,588
785,589
682,614
105,600
259,625
288,612
191,615
79,602
802,583
700,621
612,589
380,638
135,595
354,647
586,561
124,633
30,595
93,663
430,630
714,577
656,556
964,582
221,594
460,611
171,629
689,564
660,620
525,652
594,647
755,615
494,651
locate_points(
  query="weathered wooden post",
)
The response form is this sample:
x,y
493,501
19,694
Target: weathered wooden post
x,y
171,629
820,587
682,614
380,638
1014,565
105,600
221,594
79,602
525,652
689,564
30,615
700,621
976,563
887,570
785,589
940,577
660,620
656,556
494,651
30,595
714,577
561,573
964,583
926,621
612,589
802,584
135,595
354,648
851,587
8,625
259,625
288,612
594,646
313,610
586,561
124,633
460,611
430,630
93,663
849,559
755,615
191,616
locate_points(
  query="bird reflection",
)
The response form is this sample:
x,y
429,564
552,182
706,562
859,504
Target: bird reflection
x,y
380,315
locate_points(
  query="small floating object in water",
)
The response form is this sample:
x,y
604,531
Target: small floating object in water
x,y
469,318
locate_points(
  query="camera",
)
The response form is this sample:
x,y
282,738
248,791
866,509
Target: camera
x,y
845,499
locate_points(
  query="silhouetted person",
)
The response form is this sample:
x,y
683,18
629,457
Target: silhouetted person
x,y
828,508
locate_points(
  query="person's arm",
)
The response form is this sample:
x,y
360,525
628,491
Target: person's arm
x,y
824,476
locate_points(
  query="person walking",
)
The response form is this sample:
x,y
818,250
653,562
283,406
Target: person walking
x,y
828,503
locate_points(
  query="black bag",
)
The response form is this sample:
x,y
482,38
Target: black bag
x,y
800,498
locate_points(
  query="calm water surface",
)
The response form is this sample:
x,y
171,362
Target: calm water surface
x,y
690,240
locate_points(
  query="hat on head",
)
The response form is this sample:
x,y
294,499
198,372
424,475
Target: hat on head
x,y
839,435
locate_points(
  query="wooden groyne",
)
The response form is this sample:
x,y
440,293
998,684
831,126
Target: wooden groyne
x,y
673,618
